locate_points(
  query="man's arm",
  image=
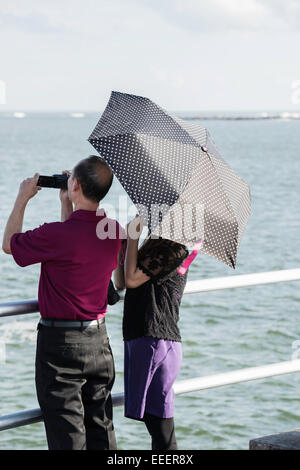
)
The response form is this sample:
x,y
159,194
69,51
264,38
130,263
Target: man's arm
x,y
66,203
27,190
14,224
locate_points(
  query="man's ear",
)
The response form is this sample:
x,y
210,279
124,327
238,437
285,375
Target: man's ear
x,y
75,184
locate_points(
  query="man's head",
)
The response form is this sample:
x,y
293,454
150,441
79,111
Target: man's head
x,y
89,181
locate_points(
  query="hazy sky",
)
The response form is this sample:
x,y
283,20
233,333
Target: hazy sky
x,y
183,54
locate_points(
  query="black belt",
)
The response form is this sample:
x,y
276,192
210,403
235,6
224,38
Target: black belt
x,y
71,323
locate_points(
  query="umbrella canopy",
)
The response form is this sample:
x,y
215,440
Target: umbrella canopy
x,y
174,174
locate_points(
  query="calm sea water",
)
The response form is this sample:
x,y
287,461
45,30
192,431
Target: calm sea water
x,y
222,331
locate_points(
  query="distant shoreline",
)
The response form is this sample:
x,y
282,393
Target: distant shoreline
x,y
240,118
189,116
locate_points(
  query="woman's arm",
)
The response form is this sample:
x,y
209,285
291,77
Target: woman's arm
x,y
118,273
134,276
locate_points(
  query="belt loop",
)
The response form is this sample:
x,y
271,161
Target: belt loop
x,y
52,323
81,327
98,324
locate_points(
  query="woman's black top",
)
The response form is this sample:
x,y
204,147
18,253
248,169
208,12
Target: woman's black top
x,y
152,309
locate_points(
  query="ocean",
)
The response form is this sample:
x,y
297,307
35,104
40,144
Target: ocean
x,y
222,331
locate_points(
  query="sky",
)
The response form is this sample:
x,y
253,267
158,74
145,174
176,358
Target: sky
x,y
186,55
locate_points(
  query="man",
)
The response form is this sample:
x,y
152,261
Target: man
x,y
74,364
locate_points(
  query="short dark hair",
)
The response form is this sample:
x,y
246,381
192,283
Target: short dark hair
x,y
157,244
94,176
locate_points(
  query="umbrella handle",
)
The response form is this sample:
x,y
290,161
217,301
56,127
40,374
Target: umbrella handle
x,y
182,269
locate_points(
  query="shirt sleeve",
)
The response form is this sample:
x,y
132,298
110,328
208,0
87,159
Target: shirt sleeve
x,y
34,246
162,260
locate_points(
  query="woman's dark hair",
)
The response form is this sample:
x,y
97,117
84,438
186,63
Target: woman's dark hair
x,y
156,243
150,243
94,176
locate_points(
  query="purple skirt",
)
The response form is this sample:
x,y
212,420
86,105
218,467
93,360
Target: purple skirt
x,y
151,366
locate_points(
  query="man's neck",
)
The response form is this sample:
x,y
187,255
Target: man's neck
x,y
86,207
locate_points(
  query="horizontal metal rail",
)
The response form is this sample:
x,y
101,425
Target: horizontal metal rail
x,y
242,280
18,307
24,418
202,285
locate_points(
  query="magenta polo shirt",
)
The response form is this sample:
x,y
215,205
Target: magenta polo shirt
x,y
76,265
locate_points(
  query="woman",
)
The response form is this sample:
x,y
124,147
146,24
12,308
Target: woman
x,y
152,342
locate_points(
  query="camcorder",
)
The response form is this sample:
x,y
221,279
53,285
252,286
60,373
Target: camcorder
x,y
54,181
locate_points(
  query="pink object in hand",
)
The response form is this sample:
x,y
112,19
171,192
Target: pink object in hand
x,y
182,269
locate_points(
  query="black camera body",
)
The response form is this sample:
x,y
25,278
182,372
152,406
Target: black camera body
x,y
54,181
112,295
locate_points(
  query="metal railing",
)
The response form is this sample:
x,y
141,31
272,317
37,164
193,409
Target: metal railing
x,y
184,386
20,307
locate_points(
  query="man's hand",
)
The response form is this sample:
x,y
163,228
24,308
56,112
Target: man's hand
x,y
63,193
28,188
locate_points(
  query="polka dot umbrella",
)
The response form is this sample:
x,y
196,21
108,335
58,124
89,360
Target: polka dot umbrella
x,y
175,175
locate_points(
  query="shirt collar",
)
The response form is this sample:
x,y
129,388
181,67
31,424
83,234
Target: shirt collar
x,y
84,214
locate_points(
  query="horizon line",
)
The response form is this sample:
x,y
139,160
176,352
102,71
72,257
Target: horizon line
x,y
78,110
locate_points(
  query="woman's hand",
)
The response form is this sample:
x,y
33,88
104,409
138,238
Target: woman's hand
x,y
135,227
